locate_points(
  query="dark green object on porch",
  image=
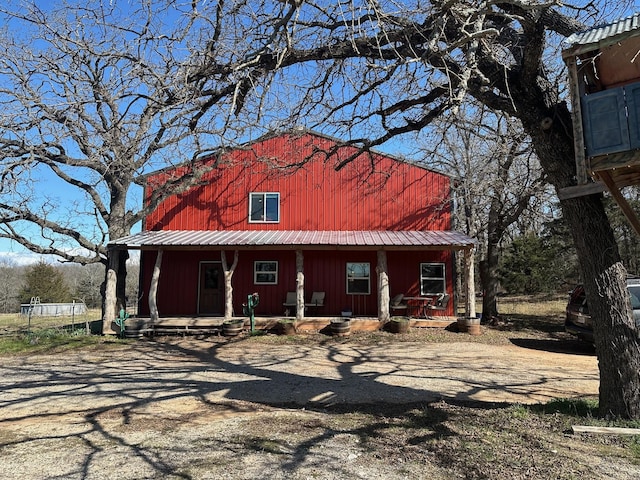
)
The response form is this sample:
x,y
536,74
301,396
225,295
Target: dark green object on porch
x,y
122,318
249,308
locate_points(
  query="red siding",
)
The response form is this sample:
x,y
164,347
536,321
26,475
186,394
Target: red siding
x,y
373,192
324,271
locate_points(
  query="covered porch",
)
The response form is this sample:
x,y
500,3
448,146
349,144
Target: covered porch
x,y
378,243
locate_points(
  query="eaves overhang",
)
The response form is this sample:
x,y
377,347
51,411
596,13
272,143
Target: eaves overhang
x,y
292,239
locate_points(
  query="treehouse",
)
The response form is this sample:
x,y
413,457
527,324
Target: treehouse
x,y
604,80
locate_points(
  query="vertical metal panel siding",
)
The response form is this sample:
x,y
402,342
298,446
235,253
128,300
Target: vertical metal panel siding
x,y
370,193
324,271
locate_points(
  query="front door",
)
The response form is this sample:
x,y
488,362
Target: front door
x,y
211,296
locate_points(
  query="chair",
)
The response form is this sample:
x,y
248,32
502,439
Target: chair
x,y
317,300
397,303
290,301
442,300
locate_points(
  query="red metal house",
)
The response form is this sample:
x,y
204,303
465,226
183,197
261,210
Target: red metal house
x,y
299,220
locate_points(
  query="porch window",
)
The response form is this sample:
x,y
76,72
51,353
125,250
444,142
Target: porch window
x,y
432,280
265,273
264,207
358,278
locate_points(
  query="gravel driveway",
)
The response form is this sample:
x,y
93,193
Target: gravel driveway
x,y
98,399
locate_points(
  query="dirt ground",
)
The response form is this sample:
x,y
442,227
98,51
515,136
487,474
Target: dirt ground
x,y
196,408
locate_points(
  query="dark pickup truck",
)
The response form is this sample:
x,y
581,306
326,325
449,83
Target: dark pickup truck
x,y
578,320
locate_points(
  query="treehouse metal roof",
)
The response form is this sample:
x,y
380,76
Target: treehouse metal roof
x,y
606,34
268,239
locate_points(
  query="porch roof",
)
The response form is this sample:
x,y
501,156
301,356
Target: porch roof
x,y
268,239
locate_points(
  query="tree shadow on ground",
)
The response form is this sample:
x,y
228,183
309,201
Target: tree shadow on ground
x,y
537,324
568,346
160,373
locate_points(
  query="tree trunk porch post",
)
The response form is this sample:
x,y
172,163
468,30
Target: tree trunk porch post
x,y
110,297
470,283
299,285
383,287
153,289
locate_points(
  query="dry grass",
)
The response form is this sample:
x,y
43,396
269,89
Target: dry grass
x,y
551,306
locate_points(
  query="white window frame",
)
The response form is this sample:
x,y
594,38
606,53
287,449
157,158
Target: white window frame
x,y
257,272
353,277
264,196
432,278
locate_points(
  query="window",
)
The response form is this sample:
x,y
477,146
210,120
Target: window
x,y
265,273
264,207
432,279
358,278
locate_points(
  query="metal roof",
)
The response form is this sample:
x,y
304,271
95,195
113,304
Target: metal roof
x,y
605,32
266,239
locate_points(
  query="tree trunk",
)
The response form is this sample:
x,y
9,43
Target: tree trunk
x,y
121,282
489,280
603,274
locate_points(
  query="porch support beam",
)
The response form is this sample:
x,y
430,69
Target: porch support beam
x,y
153,289
299,285
383,287
228,286
470,283
110,297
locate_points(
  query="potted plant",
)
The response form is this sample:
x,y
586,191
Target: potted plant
x,y
232,328
340,327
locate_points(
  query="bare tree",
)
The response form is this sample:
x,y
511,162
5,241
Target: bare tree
x,y
10,281
378,70
498,181
96,95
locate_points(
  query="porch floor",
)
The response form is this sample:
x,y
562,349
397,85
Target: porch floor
x,y
307,325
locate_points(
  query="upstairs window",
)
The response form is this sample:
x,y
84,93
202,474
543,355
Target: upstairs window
x,y
264,207
432,279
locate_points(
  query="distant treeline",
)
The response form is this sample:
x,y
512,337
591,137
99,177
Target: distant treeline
x,y
52,282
